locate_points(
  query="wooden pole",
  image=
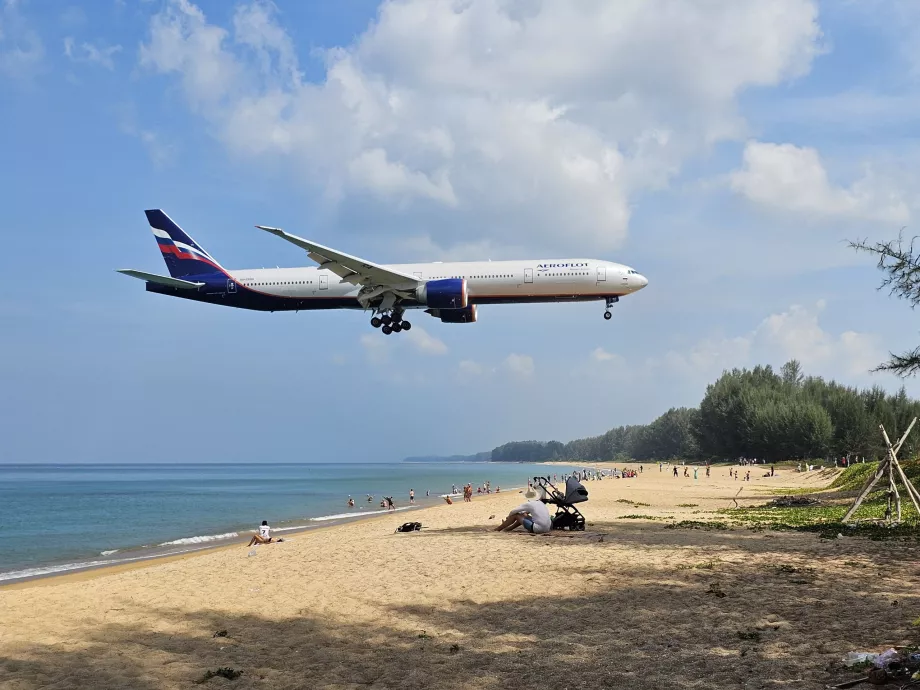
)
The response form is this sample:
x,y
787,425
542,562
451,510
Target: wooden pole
x,y
911,490
867,488
894,464
894,487
889,465
903,438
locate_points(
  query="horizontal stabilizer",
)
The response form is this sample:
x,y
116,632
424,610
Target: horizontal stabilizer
x,y
161,280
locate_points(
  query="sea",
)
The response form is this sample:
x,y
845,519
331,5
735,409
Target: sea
x,y
67,517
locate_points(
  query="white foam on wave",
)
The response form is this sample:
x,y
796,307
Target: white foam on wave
x,y
289,529
108,553
65,567
341,516
201,539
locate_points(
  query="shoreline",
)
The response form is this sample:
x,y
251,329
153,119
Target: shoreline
x,y
136,558
471,607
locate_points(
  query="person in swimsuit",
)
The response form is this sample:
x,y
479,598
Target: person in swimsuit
x,y
264,536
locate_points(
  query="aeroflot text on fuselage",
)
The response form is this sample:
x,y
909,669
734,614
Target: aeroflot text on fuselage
x,y
450,292
544,267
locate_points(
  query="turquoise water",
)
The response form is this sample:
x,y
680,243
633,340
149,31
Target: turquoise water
x,y
64,517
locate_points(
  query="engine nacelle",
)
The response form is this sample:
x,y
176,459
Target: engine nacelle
x,y
465,315
449,293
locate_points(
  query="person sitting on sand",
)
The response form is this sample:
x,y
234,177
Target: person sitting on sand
x,y
264,536
533,515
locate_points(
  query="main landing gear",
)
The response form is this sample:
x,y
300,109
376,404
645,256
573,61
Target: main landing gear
x,y
391,323
610,302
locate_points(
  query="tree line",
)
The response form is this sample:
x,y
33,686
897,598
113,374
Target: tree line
x,y
752,413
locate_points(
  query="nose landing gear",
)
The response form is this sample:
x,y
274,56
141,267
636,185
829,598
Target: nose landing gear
x,y
610,302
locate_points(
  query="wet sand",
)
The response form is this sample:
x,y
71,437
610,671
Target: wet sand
x,y
628,603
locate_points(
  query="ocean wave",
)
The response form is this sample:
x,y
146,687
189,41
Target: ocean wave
x,y
289,529
341,516
108,553
65,567
200,540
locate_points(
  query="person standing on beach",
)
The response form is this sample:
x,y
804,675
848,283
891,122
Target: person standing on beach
x,y
411,495
675,471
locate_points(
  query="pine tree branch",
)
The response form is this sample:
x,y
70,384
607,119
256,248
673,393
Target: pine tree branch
x,y
902,267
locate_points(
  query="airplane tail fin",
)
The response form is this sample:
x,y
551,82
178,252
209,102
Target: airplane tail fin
x,y
183,256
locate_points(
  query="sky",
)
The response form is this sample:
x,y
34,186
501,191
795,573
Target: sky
x,y
725,150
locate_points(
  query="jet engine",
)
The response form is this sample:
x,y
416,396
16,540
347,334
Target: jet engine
x,y
465,315
448,293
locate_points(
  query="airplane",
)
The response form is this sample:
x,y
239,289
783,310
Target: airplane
x,y
450,291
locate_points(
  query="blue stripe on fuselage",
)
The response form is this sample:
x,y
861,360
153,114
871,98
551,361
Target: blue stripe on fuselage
x,y
245,298
258,301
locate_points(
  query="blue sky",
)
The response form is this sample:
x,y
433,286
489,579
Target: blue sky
x,y
726,150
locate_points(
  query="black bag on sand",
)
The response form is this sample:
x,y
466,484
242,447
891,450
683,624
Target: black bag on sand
x,y
409,527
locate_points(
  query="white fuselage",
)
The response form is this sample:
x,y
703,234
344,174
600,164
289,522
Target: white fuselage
x,y
487,281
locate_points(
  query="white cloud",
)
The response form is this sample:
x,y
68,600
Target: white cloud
x,y
793,334
601,355
790,178
375,347
161,152
21,48
509,120
87,52
425,343
520,366
468,368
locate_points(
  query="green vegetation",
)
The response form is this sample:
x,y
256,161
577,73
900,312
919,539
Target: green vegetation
x,y
688,505
635,504
752,635
899,261
697,524
222,672
706,565
641,517
825,520
758,413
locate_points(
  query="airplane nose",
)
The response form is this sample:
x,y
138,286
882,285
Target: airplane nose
x,y
643,281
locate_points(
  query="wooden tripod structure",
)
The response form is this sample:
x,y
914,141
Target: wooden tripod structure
x,y
889,466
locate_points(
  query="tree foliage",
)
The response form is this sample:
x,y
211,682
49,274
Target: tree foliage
x,y
901,262
753,413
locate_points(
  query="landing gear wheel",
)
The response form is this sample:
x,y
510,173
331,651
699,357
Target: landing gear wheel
x,y
406,325
376,323
397,327
386,330
607,316
386,319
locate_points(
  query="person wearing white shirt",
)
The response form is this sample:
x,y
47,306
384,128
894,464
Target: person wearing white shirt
x,y
264,536
533,516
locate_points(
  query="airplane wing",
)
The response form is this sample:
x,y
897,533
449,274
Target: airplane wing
x,y
349,268
160,280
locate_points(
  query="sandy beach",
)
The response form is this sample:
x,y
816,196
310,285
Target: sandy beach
x,y
628,603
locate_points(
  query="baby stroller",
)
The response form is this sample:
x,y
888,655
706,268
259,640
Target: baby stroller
x,y
567,515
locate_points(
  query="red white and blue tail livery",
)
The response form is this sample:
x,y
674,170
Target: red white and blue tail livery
x,y
448,291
